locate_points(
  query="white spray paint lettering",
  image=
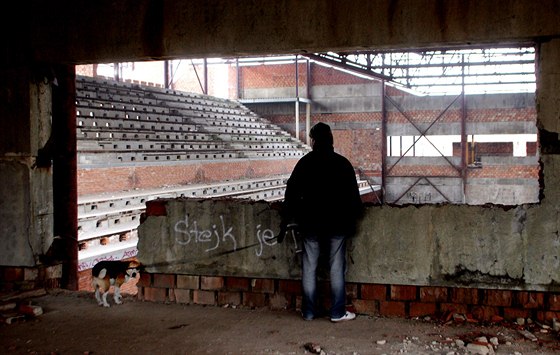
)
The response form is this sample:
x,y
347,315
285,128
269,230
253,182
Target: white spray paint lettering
x,y
264,237
192,232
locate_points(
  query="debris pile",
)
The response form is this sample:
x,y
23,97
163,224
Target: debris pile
x,y
487,343
17,307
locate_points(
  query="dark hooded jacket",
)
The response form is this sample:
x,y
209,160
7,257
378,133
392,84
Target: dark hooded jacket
x,y
322,194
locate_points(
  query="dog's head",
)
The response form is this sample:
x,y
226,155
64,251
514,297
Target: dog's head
x,y
133,270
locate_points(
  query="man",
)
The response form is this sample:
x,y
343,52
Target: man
x,y
323,199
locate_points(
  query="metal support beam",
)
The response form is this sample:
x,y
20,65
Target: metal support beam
x,y
383,141
205,69
463,134
297,98
307,123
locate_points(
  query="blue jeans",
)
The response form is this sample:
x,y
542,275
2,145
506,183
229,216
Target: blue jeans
x,y
337,268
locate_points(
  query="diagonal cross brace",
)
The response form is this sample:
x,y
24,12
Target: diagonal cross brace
x,y
422,133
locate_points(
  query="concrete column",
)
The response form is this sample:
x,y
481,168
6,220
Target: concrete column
x,y
26,195
548,84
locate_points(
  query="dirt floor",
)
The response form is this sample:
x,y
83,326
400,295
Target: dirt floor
x,y
73,323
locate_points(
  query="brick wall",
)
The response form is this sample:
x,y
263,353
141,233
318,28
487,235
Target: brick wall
x,y
111,179
29,278
371,299
363,145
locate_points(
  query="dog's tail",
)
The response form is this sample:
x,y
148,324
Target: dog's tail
x,y
102,273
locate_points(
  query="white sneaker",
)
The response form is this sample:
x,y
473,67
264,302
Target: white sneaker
x,y
347,316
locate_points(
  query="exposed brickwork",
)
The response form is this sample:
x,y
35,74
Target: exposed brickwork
x,y
229,298
156,208
204,297
164,280
113,179
188,282
464,295
499,298
262,285
403,293
373,292
183,296
237,284
418,309
254,299
371,299
211,283
433,294
530,300
368,307
154,294
13,278
392,308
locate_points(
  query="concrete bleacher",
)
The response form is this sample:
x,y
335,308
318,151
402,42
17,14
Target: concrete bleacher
x,y
121,123
107,223
125,124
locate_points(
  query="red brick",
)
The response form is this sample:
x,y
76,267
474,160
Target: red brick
x,y
499,298
171,295
530,299
188,282
183,296
484,313
13,274
229,298
514,313
554,302
403,293
101,180
433,294
373,292
289,286
351,291
365,307
419,309
547,317
164,280
154,294
237,284
262,285
145,280
254,300
156,208
204,297
464,295
392,309
453,308
211,282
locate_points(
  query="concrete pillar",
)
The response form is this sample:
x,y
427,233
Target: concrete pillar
x,y
548,85
26,194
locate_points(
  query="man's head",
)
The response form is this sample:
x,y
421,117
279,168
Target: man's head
x,y
321,136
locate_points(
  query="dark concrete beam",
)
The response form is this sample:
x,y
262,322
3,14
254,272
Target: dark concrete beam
x,y
86,31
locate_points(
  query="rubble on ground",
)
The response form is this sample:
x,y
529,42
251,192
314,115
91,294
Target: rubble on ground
x,y
17,307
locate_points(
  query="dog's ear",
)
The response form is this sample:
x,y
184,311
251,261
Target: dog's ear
x,y
134,264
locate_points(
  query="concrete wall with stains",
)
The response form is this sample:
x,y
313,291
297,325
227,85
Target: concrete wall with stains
x,y
430,245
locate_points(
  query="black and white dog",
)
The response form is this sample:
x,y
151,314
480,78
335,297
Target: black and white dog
x,y
112,273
